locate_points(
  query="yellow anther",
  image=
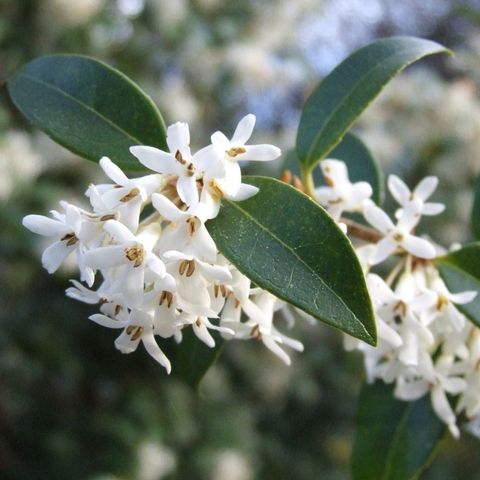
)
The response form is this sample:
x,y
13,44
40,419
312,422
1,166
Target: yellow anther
x,y
135,254
442,302
234,151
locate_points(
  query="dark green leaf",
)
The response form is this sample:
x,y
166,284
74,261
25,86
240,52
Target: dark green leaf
x,y
395,440
192,358
460,271
88,107
475,220
288,245
349,89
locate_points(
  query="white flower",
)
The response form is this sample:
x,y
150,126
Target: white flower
x,y
444,381
69,234
422,191
220,159
340,194
260,325
398,236
123,200
194,283
133,254
179,161
201,326
186,231
137,327
445,304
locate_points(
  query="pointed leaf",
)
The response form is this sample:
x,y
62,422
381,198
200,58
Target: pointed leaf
x,y
288,245
395,440
343,95
88,107
460,271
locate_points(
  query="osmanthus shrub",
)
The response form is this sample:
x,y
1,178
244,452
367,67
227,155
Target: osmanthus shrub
x,y
187,247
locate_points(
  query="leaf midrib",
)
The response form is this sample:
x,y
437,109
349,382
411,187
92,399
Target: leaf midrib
x,y
287,247
85,106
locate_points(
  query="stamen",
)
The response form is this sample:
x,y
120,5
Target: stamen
x,y
442,302
187,267
179,158
398,237
255,332
135,254
70,238
234,151
192,226
134,192
402,307
137,334
216,189
166,297
110,216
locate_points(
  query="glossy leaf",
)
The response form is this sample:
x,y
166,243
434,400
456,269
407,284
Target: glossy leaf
x,y
475,218
342,96
395,440
460,271
288,245
88,107
192,358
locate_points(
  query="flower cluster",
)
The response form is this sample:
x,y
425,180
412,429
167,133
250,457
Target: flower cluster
x,y
161,273
425,344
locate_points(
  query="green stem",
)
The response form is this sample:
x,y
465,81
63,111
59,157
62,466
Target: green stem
x,y
307,178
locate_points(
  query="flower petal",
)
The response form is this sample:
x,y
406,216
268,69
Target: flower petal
x,y
178,137
426,187
244,192
201,331
187,189
113,172
261,153
385,247
244,129
55,254
418,246
378,218
106,257
167,208
119,232
105,321
156,160
45,226
399,190
433,208
274,348
155,352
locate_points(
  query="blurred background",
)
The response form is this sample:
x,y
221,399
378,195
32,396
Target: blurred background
x,y
73,407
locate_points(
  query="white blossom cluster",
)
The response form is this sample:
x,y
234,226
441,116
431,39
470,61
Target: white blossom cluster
x,y
161,273
425,345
